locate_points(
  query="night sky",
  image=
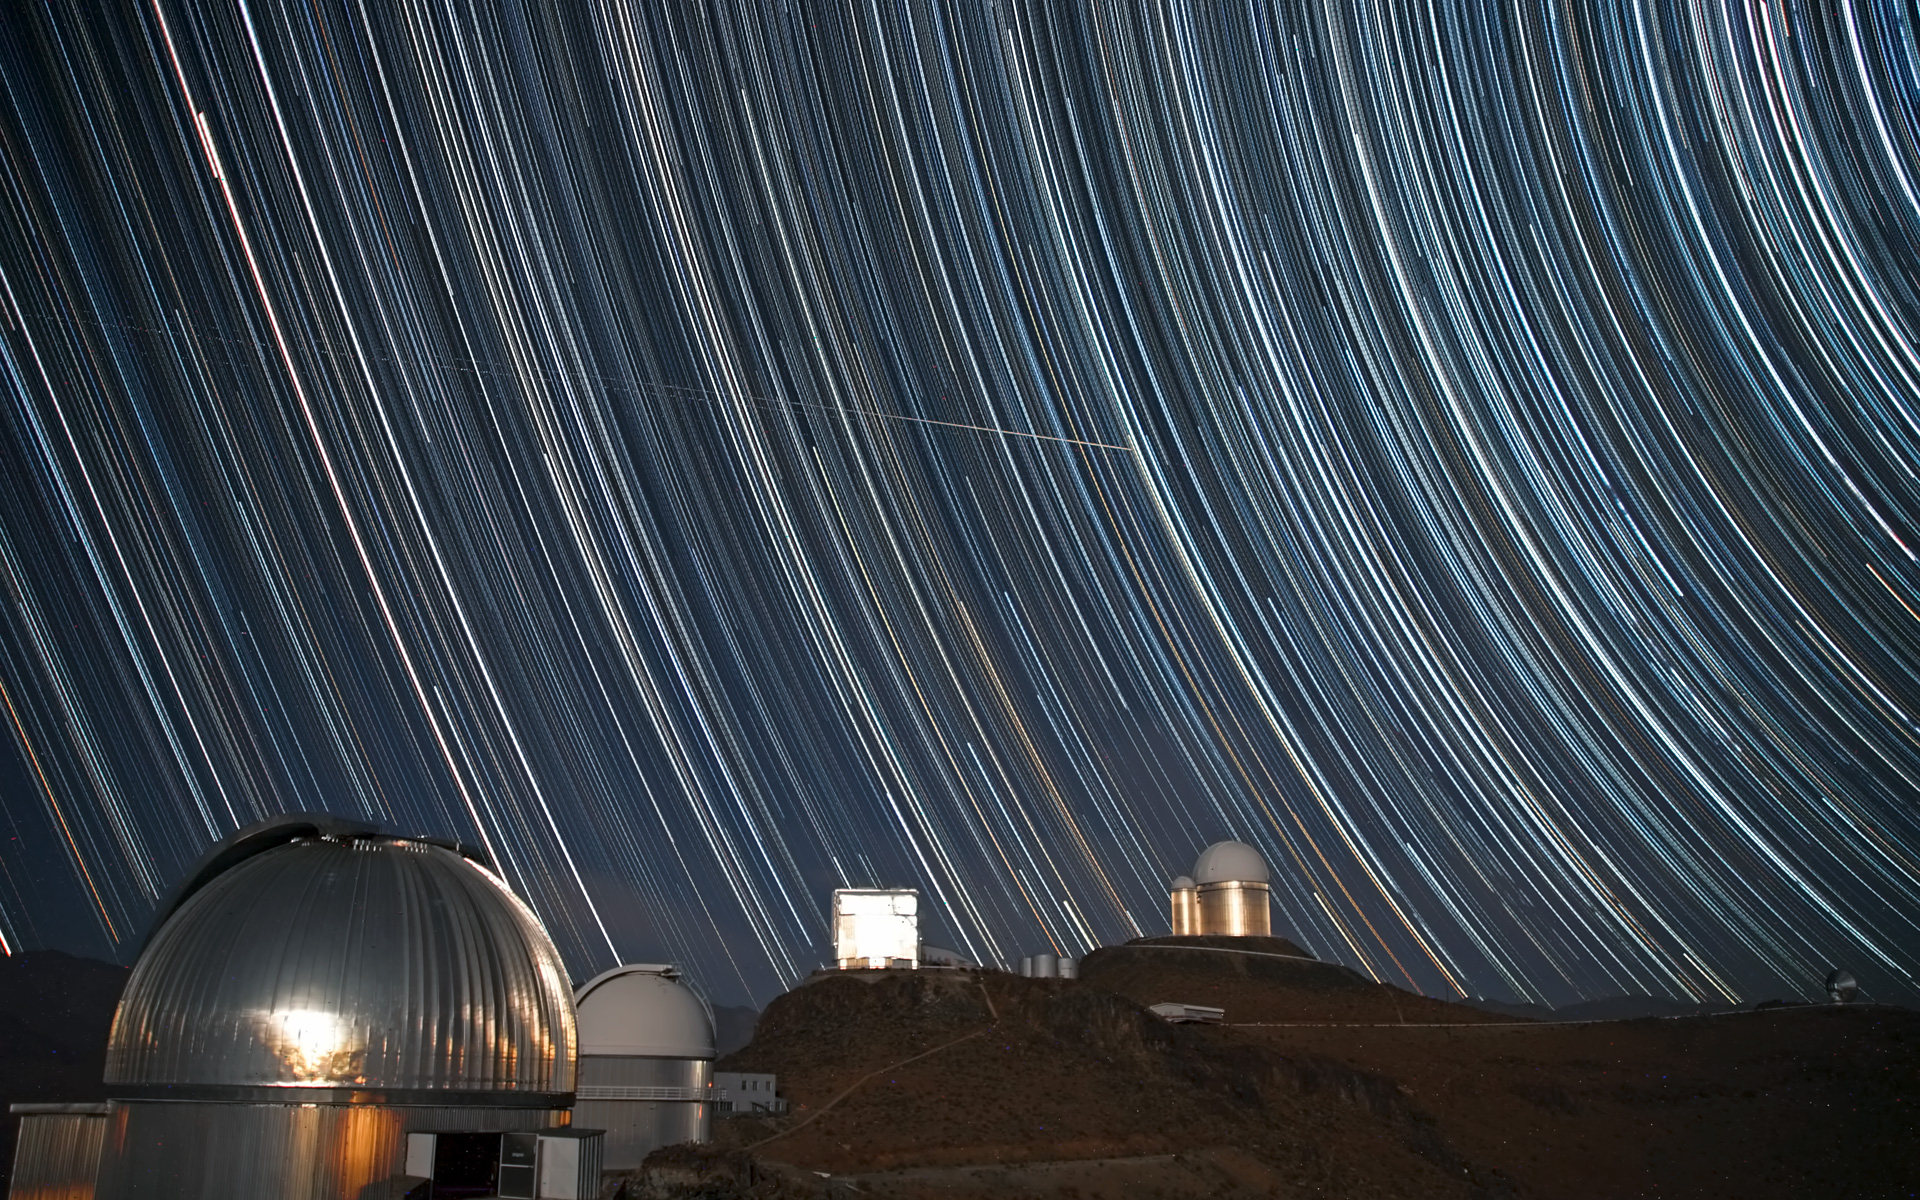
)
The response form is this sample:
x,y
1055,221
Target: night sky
x,y
707,458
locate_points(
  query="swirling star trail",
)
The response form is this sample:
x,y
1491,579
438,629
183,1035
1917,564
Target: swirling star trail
x,y
713,454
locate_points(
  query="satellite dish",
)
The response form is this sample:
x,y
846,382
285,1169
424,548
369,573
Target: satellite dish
x,y
1842,986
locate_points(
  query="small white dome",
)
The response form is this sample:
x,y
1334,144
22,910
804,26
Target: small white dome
x,y
1230,862
643,1009
1182,883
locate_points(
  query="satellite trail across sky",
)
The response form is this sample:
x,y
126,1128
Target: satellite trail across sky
x,y
708,455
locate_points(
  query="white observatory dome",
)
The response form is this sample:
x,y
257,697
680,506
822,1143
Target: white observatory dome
x,y
646,1062
1229,862
642,1009
1181,883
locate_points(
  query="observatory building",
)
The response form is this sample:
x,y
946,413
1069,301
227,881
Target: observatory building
x,y
1227,894
1186,907
646,1062
315,992
876,928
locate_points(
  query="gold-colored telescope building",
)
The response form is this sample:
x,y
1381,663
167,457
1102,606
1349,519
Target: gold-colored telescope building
x,y
1226,895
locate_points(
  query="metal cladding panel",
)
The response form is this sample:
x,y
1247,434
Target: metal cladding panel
x,y
636,1128
57,1156
366,963
1235,910
611,1077
876,927
1186,916
187,1151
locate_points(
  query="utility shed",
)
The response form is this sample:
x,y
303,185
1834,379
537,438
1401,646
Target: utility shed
x,y
1180,1014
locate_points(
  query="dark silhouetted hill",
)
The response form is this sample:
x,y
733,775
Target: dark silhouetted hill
x,y
1033,1070
967,1085
732,1027
55,1013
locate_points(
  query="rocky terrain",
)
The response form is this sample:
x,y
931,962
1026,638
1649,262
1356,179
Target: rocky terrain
x,y
1323,1083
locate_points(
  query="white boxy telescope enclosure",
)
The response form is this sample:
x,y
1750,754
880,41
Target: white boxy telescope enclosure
x,y
876,928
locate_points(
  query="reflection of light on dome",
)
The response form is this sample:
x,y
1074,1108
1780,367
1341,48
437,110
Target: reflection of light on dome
x,y
312,992
313,1044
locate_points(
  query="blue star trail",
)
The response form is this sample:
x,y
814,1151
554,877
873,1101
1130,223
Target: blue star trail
x,y
708,455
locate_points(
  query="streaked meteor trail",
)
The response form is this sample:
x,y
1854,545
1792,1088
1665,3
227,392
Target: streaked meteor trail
x,y
713,455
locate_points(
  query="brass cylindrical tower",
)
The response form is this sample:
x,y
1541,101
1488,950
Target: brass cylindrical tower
x,y
1231,898
1234,908
1186,908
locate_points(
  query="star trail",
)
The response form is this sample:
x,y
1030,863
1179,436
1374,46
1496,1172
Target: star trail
x,y
708,455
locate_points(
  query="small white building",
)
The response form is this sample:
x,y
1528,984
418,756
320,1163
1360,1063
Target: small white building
x,y
876,928
1188,1014
737,1093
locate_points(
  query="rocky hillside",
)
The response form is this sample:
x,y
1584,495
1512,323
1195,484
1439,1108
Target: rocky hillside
x,y
977,1084
980,1068
1260,980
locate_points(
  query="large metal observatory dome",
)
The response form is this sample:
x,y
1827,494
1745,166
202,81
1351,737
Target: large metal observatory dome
x,y
361,962
317,983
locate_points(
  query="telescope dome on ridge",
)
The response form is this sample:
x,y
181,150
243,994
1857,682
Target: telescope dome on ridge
x,y
1226,896
1230,862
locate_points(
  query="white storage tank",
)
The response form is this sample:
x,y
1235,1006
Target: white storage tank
x,y
1185,903
646,1062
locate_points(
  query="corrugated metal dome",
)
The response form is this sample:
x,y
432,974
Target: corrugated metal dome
x,y
643,1009
1230,862
351,961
